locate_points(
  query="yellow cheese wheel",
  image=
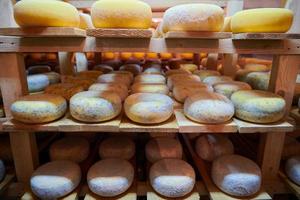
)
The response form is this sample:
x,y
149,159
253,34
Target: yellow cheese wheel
x,y
187,56
152,55
66,90
115,78
149,88
257,67
227,25
138,55
125,55
262,20
166,56
108,55
36,13
121,14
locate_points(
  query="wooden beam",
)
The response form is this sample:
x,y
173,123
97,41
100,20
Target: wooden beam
x,y
229,64
65,63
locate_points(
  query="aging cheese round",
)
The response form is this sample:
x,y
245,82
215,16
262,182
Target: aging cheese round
x,y
119,89
55,179
38,69
150,79
135,69
93,74
75,149
208,107
258,106
228,88
132,14
189,67
115,78
257,67
148,108
258,80
262,20
193,17
172,178
36,13
211,80
163,147
38,108
37,82
236,175
127,74
206,73
110,177
181,78
95,106
103,68
292,169
85,83
53,77
181,92
149,88
66,90
211,146
117,147
176,71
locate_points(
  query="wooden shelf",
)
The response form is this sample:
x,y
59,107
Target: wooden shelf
x,y
6,181
265,36
291,185
2,120
188,126
119,33
43,32
197,35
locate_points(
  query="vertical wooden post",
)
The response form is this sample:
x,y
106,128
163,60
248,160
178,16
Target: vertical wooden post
x,y
212,61
196,59
282,82
229,64
81,62
65,63
13,85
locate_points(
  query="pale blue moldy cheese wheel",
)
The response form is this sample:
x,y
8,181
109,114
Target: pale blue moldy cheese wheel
x,y
292,169
95,106
211,80
53,77
110,177
37,82
229,87
172,177
236,175
163,147
258,80
39,108
55,179
258,106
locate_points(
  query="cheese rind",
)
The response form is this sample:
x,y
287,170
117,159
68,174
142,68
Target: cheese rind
x,y
37,82
66,90
228,88
211,80
119,89
150,79
117,147
181,91
149,88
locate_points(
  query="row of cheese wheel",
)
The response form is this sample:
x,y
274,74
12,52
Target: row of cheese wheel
x,y
137,14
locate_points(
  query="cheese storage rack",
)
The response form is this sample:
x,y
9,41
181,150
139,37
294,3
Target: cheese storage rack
x,y
285,49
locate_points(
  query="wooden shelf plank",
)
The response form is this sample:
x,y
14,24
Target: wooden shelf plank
x,y
188,126
198,34
2,120
169,126
291,185
248,127
43,32
119,33
265,36
6,181
15,126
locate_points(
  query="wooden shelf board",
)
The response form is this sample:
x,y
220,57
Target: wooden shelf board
x,y
169,126
265,36
248,127
119,33
6,181
197,35
2,120
43,32
188,126
15,126
291,185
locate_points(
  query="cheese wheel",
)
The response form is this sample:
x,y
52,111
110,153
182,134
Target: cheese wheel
x,y
37,82
292,169
193,17
257,67
172,177
38,69
244,60
187,56
258,106
135,69
208,107
75,149
95,106
114,78
211,146
85,83
36,13
181,92
206,73
165,56
148,108
241,74
55,179
228,88
150,79
176,71
127,74
53,77
119,14
38,108
89,74
66,90
152,70
211,80
103,68
2,170
227,25
85,21
110,177
117,147
180,78
163,147
138,55
262,20
119,89
189,67
236,175
258,80
149,88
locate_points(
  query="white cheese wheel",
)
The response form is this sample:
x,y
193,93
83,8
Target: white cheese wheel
x,y
176,71
172,177
95,106
211,146
292,169
55,179
75,149
135,69
258,80
103,68
117,147
193,17
38,69
38,108
208,107
66,90
236,175
181,92
258,106
149,88
163,147
150,79
37,82
211,80
92,74
119,14
148,108
119,89
180,78
114,78
36,13
228,88
110,177
53,77
2,170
